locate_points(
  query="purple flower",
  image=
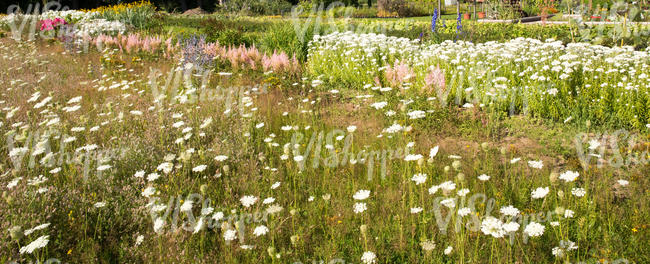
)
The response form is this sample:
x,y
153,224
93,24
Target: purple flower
x,y
434,20
459,27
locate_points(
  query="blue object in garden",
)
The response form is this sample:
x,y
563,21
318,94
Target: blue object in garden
x,y
434,20
193,51
459,27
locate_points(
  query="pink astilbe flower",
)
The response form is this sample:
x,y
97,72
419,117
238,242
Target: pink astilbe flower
x,y
281,62
266,62
435,79
243,54
211,49
277,62
130,43
105,40
253,55
133,43
399,73
233,56
151,44
170,47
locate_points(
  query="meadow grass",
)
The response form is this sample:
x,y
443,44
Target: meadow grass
x,y
110,214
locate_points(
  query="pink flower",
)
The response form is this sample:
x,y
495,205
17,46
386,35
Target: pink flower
x,y
46,25
58,21
398,74
49,24
435,79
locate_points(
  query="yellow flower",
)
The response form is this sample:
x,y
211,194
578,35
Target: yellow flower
x,y
69,251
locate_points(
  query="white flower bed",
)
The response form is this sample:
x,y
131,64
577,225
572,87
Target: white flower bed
x,y
96,27
557,80
85,23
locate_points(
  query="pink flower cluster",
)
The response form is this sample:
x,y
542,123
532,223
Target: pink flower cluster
x,y
399,73
49,24
280,62
242,57
238,57
134,43
435,79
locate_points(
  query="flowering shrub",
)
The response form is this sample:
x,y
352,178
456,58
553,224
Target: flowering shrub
x,y
51,24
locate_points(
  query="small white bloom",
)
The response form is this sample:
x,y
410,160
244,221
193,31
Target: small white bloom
x,y
568,213
483,177
569,176
40,242
462,192
360,208
448,250
594,144
149,191
199,168
260,230
419,178
534,229
492,226
578,192
248,200
433,152
368,257
230,235
509,210
511,226
536,164
220,158
540,192
361,195
449,202
153,176
464,211
434,189
139,174
268,200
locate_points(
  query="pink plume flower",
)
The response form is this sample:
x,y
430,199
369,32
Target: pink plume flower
x,y
435,79
399,73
